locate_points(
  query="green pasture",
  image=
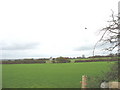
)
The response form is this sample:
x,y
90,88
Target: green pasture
x,y
65,75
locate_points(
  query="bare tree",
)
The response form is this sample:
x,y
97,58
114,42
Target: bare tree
x,y
111,34
111,37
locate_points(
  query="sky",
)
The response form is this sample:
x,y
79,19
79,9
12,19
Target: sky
x,y
52,28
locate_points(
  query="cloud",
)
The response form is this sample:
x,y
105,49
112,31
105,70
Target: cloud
x,y
18,46
83,48
91,47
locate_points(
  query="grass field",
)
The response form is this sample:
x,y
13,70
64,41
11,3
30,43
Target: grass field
x,y
66,75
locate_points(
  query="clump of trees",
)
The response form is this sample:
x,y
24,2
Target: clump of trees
x,y
62,60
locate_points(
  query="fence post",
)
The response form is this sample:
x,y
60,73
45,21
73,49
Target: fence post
x,y
84,81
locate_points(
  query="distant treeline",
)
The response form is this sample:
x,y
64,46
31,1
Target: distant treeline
x,y
101,56
60,60
99,60
27,61
54,61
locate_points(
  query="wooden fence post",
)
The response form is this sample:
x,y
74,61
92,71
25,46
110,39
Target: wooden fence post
x,y
84,81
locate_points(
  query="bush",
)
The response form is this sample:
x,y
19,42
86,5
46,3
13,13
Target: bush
x,y
112,75
62,60
95,81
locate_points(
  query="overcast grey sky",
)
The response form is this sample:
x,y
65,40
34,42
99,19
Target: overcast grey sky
x,y
45,28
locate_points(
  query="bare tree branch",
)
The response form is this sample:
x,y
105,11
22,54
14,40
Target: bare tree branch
x,y
111,34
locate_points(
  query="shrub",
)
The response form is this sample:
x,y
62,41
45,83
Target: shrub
x,y
62,60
